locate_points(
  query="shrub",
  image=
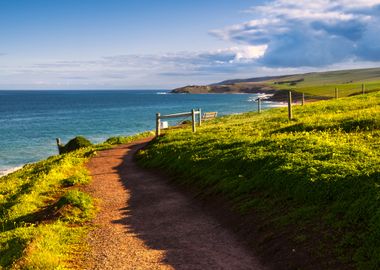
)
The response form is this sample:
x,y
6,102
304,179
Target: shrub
x,y
75,144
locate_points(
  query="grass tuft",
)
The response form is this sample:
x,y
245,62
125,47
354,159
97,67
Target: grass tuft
x,y
76,206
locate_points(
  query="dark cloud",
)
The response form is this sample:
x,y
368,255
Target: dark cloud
x,y
352,30
299,48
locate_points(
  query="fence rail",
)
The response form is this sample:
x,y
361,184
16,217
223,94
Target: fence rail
x,y
176,115
193,114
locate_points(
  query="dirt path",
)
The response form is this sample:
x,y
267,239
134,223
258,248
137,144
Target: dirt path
x,y
144,223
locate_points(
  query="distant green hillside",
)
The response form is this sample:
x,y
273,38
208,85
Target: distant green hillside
x,y
311,184
314,85
336,77
348,82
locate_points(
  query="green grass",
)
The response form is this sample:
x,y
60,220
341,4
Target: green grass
x,y
320,171
38,210
123,140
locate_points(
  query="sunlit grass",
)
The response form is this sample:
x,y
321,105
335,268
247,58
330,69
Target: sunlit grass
x,y
36,231
43,214
323,168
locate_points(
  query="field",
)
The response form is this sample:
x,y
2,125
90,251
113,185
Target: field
x,y
318,174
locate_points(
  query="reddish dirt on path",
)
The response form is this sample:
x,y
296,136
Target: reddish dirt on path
x,y
145,223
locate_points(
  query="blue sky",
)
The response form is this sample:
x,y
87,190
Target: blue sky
x,y
141,44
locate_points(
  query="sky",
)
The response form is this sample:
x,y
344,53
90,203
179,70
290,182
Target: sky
x,y
150,44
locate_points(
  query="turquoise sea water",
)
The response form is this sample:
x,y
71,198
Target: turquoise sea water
x,y
31,120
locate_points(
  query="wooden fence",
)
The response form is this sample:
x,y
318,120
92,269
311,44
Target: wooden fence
x,y
193,115
302,97
290,100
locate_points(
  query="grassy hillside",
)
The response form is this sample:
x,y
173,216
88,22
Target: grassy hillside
x,y
315,179
314,85
348,82
336,77
44,214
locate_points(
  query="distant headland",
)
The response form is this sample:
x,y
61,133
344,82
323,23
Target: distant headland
x,y
317,85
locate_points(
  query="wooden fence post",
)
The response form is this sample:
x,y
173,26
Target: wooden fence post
x,y
193,120
363,89
200,116
158,124
336,93
259,105
290,112
303,99
58,145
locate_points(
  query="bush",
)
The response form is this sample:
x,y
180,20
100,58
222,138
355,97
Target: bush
x,y
75,144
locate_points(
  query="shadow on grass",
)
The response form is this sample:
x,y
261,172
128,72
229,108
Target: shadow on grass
x,y
13,250
346,125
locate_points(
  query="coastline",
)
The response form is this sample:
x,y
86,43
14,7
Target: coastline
x,y
280,96
4,172
96,115
265,96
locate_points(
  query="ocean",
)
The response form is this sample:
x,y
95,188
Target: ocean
x,y
31,120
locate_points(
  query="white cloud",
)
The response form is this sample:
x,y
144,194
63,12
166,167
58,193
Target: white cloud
x,y
249,52
310,33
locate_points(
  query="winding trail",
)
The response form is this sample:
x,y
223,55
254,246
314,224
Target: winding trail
x,y
145,223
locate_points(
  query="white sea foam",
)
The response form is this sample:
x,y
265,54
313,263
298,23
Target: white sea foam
x,y
162,93
262,96
4,172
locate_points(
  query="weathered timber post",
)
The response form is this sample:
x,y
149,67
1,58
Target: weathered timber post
x,y
158,124
200,116
290,112
259,105
58,145
336,93
363,88
303,99
193,120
